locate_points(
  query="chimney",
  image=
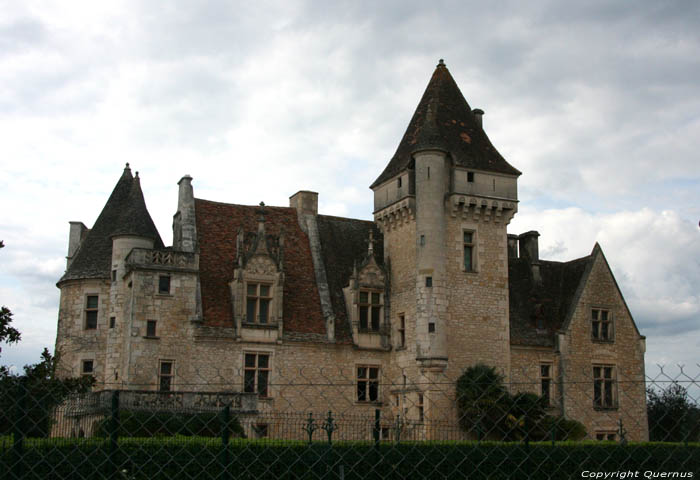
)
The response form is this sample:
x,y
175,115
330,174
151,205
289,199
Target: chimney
x,y
512,246
529,246
305,202
77,233
184,228
478,115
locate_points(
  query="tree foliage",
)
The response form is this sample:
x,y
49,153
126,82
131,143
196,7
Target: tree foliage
x,y
8,334
487,410
673,415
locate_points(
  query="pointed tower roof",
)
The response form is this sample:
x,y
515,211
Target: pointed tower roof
x,y
444,120
125,213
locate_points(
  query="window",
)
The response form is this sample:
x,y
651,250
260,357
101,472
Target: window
x,y
112,321
601,325
421,410
164,284
114,275
402,331
431,327
398,182
604,386
91,312
470,177
261,430
370,310
428,282
468,242
258,303
546,383
165,376
87,368
150,328
256,375
367,383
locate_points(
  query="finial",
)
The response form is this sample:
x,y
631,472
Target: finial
x,y
261,211
127,166
137,174
370,247
441,63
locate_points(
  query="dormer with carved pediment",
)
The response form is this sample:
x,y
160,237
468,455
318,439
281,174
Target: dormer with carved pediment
x,y
366,298
258,284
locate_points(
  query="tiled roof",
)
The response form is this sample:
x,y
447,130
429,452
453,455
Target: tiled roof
x,y
125,213
547,303
444,120
217,229
344,241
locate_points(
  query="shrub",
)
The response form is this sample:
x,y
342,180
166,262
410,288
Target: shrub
x,y
153,424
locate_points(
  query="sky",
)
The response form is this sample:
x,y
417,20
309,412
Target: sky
x,y
596,102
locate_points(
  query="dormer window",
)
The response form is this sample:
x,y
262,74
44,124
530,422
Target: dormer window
x,y
370,309
258,303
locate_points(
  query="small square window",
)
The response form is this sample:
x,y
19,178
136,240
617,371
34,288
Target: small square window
x,y
431,327
398,182
164,284
88,367
428,281
151,328
470,177
112,321
114,275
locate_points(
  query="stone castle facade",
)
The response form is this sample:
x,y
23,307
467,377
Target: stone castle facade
x,y
275,302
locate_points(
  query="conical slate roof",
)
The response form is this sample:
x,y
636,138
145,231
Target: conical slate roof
x,y
444,120
125,213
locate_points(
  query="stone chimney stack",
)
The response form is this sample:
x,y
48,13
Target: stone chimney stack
x,y
184,227
512,246
478,115
529,245
305,202
77,233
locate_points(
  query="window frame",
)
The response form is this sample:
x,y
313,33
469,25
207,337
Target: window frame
x,y
367,387
371,309
151,329
471,246
258,373
91,312
166,378
258,298
546,382
83,363
597,324
605,395
402,331
161,290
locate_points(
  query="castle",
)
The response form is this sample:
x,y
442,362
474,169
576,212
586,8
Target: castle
x,y
257,299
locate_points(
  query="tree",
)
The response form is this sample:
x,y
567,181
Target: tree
x,y
7,333
673,415
487,410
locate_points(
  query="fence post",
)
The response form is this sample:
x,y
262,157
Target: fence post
x,y
225,436
19,430
114,433
376,431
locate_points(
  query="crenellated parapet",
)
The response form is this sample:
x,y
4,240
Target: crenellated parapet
x,y
483,210
397,214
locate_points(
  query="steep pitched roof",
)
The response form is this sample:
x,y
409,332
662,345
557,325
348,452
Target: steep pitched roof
x,y
217,228
547,303
444,120
125,213
344,242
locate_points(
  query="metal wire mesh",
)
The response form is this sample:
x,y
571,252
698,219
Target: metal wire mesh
x,y
352,423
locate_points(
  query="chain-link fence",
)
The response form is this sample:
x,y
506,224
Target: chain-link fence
x,y
353,422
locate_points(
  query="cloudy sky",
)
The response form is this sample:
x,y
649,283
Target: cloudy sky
x,y
596,102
